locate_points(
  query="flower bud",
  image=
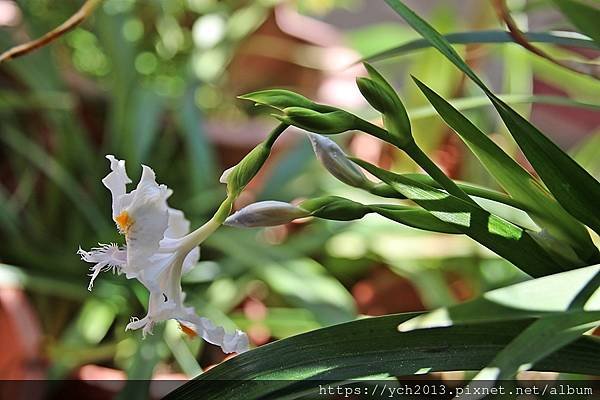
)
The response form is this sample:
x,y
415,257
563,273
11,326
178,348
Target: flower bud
x,y
281,99
337,163
382,97
265,213
335,208
375,95
326,123
238,176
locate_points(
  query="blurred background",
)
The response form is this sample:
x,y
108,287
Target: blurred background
x,y
155,82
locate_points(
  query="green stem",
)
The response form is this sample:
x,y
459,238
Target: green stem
x,y
376,131
435,172
384,190
275,133
418,156
196,237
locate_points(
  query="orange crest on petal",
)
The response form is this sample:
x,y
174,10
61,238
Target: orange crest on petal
x,y
188,331
124,222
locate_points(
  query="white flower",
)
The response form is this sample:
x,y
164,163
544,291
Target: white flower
x,y
158,250
265,213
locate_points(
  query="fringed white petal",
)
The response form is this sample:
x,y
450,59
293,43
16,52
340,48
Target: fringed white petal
x,y
105,257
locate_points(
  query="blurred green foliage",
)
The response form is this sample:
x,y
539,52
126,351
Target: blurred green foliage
x,y
141,80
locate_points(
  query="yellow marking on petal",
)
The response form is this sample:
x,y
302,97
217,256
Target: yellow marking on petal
x,y
188,331
124,222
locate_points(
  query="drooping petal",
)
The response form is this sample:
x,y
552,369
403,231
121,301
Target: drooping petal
x,y
144,221
105,257
230,342
115,181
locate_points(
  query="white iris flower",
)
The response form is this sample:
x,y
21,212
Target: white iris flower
x,y
159,249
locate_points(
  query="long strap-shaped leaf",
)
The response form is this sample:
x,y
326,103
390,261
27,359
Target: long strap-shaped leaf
x,y
572,186
553,294
512,177
502,237
368,347
490,36
543,337
584,17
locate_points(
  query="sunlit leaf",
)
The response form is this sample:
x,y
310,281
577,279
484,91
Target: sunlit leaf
x,y
512,177
554,294
504,238
368,347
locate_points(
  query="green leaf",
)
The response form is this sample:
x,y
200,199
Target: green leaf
x,y
281,99
584,17
469,103
433,37
586,153
502,237
340,209
490,36
512,177
382,96
540,339
572,186
413,217
554,294
368,347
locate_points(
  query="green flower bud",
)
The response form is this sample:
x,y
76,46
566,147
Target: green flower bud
x,y
238,176
382,97
375,95
327,123
337,163
265,213
281,99
334,208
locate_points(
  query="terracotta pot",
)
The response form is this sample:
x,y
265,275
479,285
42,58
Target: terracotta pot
x,y
20,342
